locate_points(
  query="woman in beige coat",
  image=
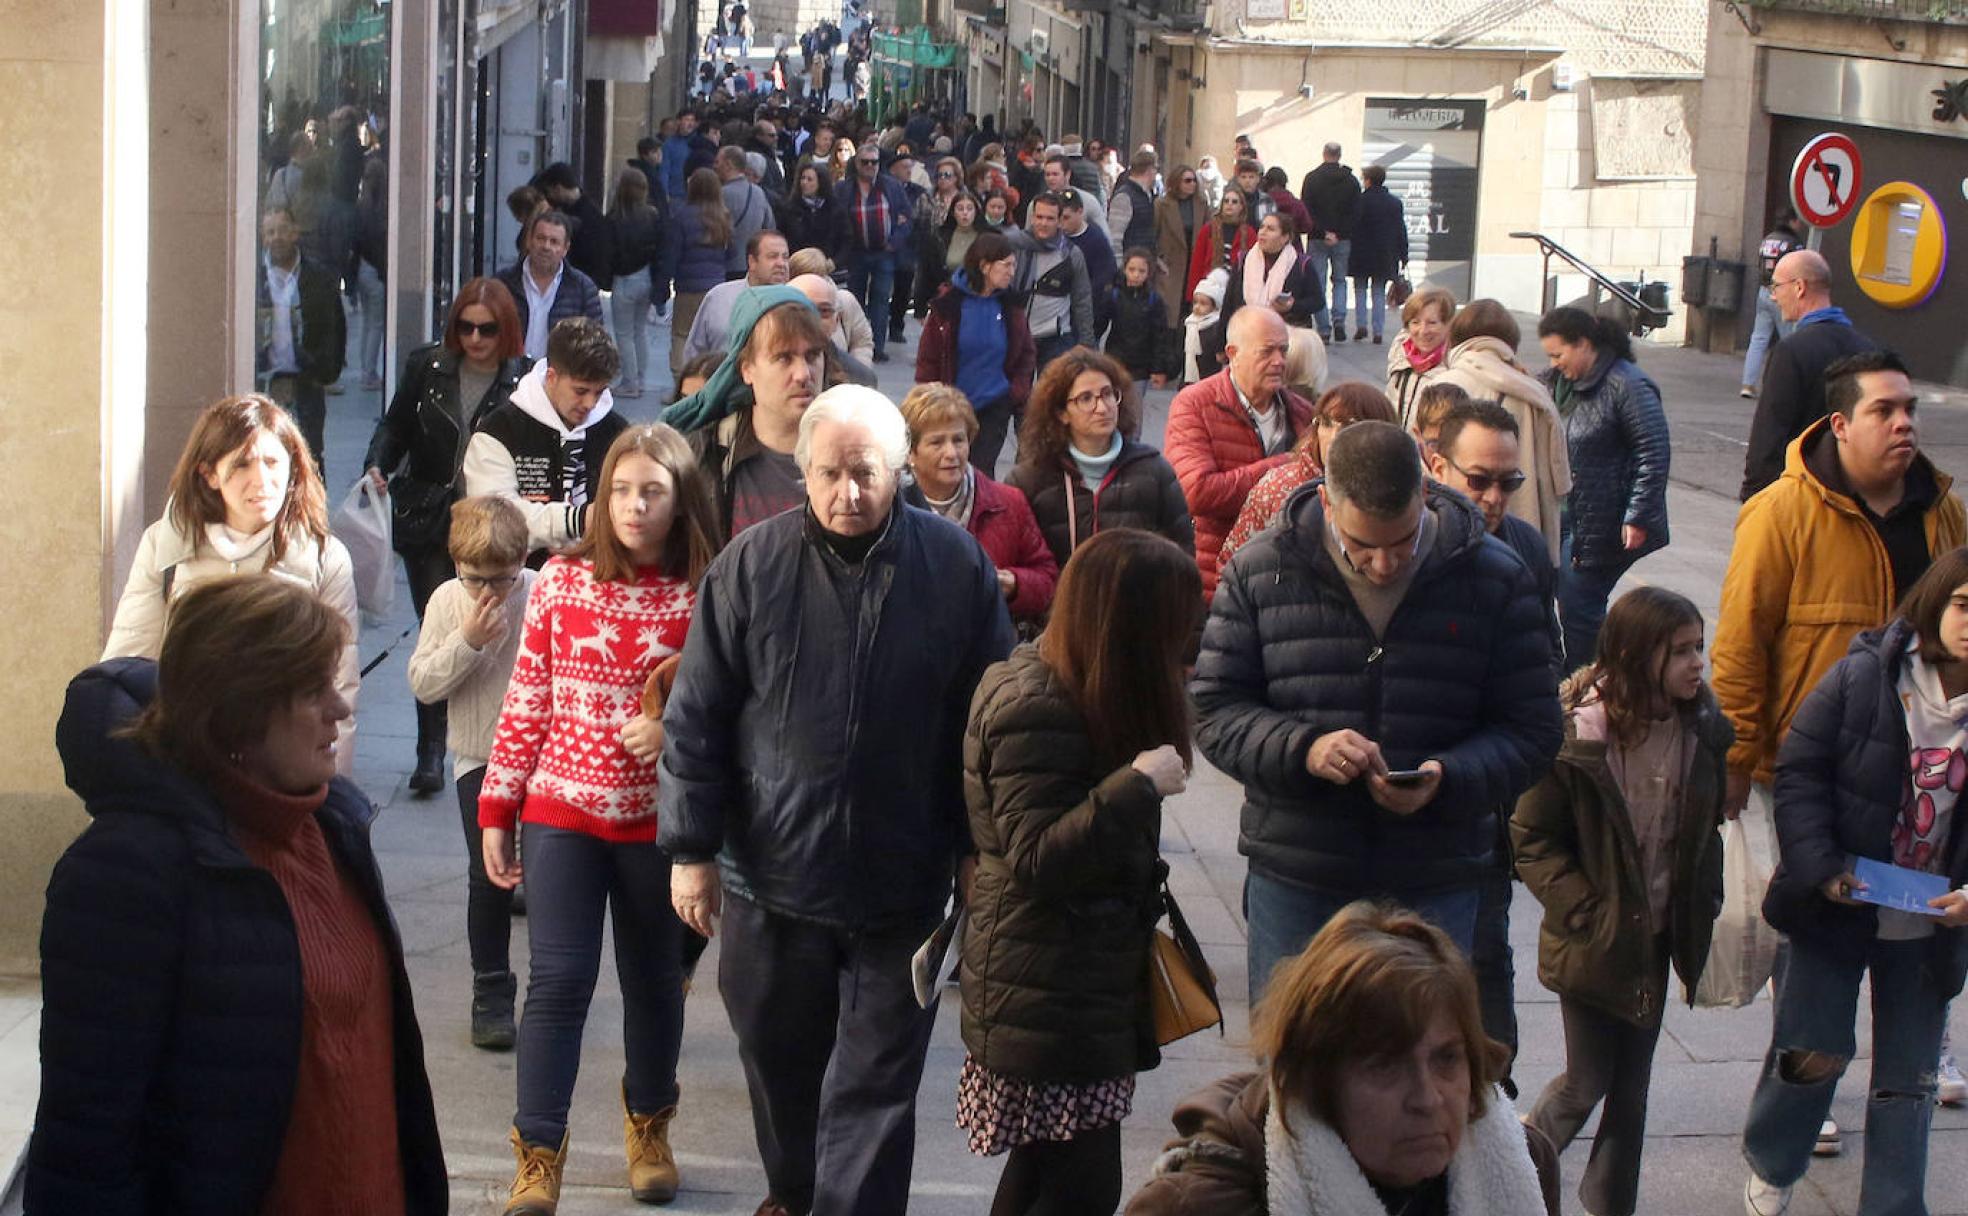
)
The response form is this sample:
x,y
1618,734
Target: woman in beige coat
x,y
1178,214
1482,361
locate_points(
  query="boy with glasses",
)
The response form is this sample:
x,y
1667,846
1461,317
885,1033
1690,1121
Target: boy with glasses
x,y
465,652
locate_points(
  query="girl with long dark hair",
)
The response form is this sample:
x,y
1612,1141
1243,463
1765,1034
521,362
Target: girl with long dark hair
x,y
1073,744
1619,844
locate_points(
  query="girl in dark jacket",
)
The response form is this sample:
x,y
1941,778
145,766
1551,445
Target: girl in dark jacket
x,y
446,388
1619,844
1078,467
1617,443
1135,311
945,247
1072,745
1380,250
697,249
977,341
226,1023
812,218
1870,773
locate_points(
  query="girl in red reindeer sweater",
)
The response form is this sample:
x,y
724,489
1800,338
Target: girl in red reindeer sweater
x,y
574,764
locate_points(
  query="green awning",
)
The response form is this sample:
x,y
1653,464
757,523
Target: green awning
x,y
917,48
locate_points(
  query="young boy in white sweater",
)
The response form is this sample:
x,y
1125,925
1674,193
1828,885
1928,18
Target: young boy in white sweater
x,y
464,657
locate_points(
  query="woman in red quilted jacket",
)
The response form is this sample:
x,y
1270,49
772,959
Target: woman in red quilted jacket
x,y
941,428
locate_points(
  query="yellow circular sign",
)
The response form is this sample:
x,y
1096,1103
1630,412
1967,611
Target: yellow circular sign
x,y
1899,245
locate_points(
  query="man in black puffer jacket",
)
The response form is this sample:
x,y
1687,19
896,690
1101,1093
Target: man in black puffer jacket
x,y
1380,629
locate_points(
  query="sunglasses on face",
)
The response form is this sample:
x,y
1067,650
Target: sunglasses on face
x,y
1480,483
488,329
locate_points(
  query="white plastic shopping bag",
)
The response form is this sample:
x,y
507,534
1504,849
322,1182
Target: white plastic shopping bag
x,y
1745,946
362,524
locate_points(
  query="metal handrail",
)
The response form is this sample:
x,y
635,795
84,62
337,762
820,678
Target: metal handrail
x,y
1649,316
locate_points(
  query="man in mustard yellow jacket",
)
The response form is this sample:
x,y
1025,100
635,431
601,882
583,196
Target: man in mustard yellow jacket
x,y
1824,552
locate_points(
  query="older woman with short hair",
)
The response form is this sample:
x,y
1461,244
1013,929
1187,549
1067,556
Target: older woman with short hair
x,y
226,1023
1080,468
942,426
1414,360
1378,1093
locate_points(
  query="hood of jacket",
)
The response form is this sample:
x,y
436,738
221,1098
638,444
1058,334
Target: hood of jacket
x,y
726,391
1492,361
1459,527
1798,464
531,398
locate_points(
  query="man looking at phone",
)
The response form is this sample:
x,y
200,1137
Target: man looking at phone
x,y
1378,675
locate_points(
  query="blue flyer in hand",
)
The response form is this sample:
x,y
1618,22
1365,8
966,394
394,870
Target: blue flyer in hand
x,y
1892,886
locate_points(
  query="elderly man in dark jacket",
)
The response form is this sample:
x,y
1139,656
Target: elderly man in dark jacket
x,y
1377,674
822,638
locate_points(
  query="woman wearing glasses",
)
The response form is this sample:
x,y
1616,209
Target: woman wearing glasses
x,y
446,388
1078,467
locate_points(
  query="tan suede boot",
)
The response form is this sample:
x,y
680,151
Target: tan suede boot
x,y
652,1166
536,1181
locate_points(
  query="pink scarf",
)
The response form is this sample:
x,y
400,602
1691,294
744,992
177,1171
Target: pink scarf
x,y
1419,361
1262,288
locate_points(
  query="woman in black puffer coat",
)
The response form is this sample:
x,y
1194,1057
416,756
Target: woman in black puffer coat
x,y
226,1023
1871,769
1071,747
811,217
1616,436
1080,470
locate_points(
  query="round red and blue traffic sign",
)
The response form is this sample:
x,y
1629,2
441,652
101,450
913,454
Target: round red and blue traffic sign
x,y
1825,180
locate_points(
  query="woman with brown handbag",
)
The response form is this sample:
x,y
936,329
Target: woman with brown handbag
x,y
1072,745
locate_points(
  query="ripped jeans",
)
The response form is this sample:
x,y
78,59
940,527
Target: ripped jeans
x,y
1817,1004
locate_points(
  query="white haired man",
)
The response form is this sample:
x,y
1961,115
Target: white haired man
x,y
821,637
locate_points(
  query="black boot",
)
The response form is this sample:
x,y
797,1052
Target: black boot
x,y
492,1010
428,777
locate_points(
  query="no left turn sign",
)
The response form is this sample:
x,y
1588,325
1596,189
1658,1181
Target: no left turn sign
x,y
1824,183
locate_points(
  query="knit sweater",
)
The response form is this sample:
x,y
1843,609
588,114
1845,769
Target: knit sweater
x,y
471,683
585,650
340,1153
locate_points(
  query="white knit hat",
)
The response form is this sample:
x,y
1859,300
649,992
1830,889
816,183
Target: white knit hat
x,y
1215,285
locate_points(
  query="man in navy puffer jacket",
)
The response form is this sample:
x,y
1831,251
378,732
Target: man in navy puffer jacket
x,y
1379,628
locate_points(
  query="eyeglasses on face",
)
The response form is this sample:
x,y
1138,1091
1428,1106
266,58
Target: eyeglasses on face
x,y
1481,483
487,329
1099,396
480,582
947,175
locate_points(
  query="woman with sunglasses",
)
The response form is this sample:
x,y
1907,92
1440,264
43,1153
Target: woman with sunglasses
x,y
418,445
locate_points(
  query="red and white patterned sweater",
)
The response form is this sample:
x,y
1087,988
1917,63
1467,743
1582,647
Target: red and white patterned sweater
x,y
585,650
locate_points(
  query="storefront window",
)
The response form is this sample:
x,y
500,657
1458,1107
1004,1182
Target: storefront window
x,y
324,126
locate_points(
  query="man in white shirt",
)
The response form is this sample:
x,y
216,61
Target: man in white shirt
x,y
302,330
544,287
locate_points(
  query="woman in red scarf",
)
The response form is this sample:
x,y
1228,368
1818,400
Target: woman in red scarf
x,y
1414,360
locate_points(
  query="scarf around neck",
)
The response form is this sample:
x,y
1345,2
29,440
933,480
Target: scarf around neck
x,y
1261,286
1423,362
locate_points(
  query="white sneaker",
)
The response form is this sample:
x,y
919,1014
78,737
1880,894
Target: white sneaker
x,y
1829,1143
1762,1199
1952,1087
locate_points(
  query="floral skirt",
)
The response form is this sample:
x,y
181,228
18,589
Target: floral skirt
x,y
1003,1112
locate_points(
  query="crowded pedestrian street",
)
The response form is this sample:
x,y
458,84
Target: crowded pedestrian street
x,y
856,607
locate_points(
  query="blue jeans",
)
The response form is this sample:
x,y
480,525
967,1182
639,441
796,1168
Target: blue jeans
x,y
572,878
1817,1004
1281,917
1052,346
1490,954
1376,289
871,280
1330,258
629,306
1582,599
1770,329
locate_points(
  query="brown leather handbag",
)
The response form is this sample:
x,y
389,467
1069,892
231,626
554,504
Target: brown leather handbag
x,y
1181,986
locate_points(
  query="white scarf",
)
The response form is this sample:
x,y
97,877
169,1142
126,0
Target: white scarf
x,y
1313,1173
1192,345
234,547
1262,288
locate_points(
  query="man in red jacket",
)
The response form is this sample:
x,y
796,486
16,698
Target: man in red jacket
x,y
1227,432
